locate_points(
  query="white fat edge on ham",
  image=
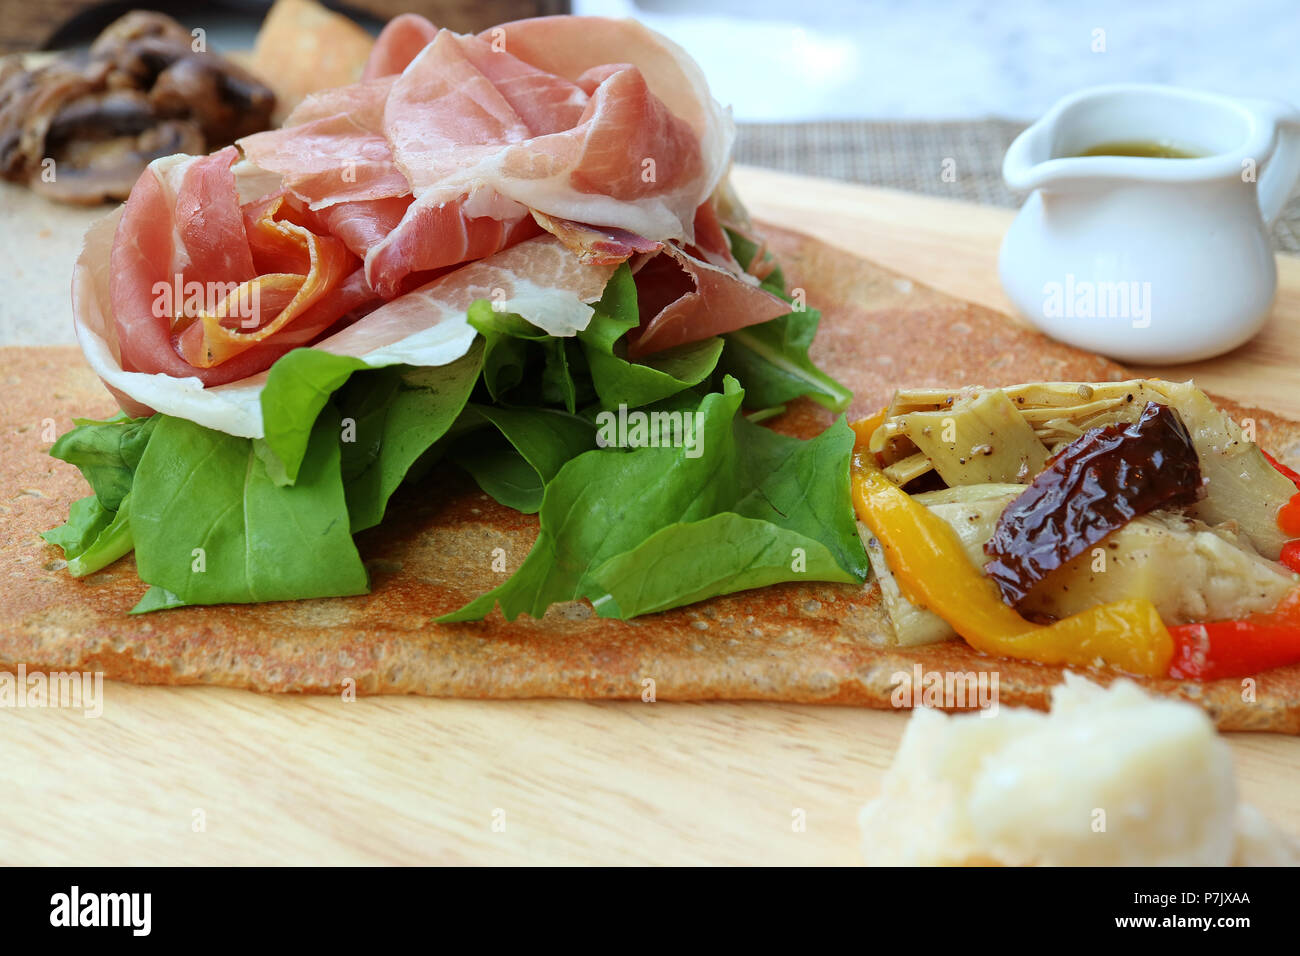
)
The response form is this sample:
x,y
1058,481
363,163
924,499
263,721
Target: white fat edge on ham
x,y
538,279
170,171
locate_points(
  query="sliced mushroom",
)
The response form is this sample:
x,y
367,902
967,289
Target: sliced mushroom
x,y
141,92
101,142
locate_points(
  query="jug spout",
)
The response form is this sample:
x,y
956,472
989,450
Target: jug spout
x,y
1215,137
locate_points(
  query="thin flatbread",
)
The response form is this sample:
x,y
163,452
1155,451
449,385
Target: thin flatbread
x,y
814,643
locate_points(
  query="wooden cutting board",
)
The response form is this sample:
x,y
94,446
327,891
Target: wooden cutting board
x,y
217,776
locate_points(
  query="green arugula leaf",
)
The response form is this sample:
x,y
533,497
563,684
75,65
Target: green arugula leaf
x,y
93,537
297,388
619,381
608,502
397,422
363,407
505,346
771,359
744,250
558,385
211,526
156,599
112,542
526,448
86,519
107,453
726,553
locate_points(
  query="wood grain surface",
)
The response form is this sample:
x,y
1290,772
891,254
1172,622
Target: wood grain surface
x,y
410,780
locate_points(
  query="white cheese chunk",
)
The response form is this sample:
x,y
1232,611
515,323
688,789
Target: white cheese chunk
x,y
1111,777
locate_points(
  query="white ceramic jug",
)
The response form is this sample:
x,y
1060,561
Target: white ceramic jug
x,y
1150,260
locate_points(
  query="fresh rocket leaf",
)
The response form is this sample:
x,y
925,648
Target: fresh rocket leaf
x,y
98,529
619,381
112,542
363,406
419,407
771,359
607,503
93,537
505,346
524,450
211,526
86,519
156,599
744,251
106,452
725,553
297,388
558,386
763,414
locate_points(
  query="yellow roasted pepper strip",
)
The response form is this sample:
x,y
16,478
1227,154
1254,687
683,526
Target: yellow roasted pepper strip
x,y
933,571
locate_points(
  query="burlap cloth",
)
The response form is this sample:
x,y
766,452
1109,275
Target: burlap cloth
x,y
912,156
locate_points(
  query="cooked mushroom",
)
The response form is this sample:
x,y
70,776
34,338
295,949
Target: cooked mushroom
x,y
1099,483
101,142
83,127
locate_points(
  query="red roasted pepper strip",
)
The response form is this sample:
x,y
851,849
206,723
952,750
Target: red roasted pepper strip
x,y
1238,648
1288,517
1291,555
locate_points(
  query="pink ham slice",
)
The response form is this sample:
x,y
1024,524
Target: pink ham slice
x,y
184,219
684,299
596,244
463,120
538,278
572,47
332,148
433,236
453,150
335,156
480,134
400,42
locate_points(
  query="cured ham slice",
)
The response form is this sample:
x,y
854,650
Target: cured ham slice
x,y
401,40
602,246
186,295
364,224
684,299
618,157
711,242
333,148
573,46
432,236
521,165
474,132
539,279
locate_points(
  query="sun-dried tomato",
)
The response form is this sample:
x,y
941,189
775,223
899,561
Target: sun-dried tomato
x,y
1098,483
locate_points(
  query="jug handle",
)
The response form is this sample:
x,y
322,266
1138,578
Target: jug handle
x,y
1282,169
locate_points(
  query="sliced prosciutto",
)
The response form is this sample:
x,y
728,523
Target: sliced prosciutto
x,y
400,42
539,279
684,299
521,165
479,137
201,286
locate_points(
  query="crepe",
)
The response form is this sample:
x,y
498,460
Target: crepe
x,y
813,643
